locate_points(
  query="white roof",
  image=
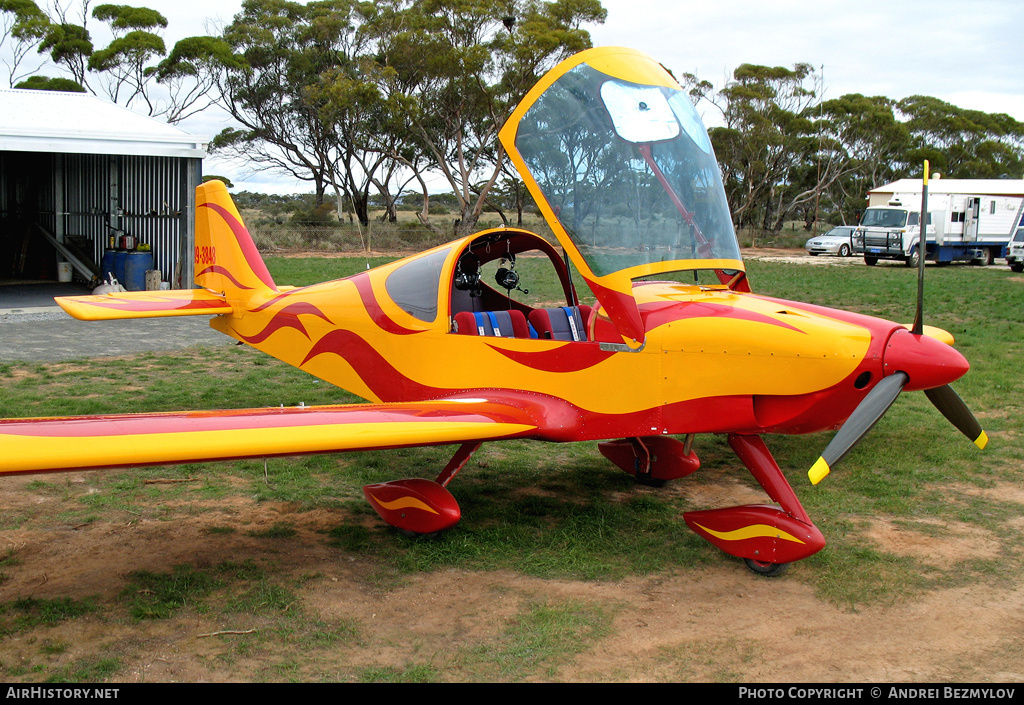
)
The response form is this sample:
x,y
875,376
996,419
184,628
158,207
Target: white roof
x,y
978,187
54,121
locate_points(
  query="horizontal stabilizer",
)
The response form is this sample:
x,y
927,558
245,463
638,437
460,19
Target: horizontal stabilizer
x,y
144,304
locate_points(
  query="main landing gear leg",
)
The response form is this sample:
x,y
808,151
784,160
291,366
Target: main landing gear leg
x,y
768,538
418,506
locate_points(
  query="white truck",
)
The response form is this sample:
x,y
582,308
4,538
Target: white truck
x,y
1015,248
960,226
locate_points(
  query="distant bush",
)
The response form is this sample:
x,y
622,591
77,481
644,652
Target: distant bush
x,y
321,215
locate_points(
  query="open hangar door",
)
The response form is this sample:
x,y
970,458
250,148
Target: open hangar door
x,y
76,202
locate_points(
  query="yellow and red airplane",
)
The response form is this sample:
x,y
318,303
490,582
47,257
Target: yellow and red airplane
x,y
622,169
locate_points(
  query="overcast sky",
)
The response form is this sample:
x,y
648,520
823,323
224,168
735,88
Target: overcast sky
x,y
970,54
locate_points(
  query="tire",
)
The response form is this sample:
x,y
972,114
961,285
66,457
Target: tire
x,y
844,250
813,254
768,570
1017,267
870,261
914,258
985,260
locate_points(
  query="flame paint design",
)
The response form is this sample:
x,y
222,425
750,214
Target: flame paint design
x,y
403,503
245,244
655,315
755,531
373,308
217,269
248,419
267,304
571,357
383,379
157,304
288,317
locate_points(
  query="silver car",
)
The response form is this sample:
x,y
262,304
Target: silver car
x,y
835,242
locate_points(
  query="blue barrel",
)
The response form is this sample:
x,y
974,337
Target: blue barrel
x,y
107,268
135,267
120,257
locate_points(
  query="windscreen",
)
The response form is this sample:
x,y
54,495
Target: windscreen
x,y
883,218
628,171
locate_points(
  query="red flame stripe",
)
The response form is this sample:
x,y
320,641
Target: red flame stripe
x,y
159,305
245,244
373,308
288,317
571,357
374,370
655,315
217,269
245,419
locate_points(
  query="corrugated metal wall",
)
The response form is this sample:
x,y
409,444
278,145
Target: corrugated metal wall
x,y
95,197
151,199
86,183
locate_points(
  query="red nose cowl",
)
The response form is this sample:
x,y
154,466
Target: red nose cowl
x,y
928,362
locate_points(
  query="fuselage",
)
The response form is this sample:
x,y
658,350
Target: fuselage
x,y
713,360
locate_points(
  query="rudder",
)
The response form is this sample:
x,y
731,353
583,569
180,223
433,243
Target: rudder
x,y
226,259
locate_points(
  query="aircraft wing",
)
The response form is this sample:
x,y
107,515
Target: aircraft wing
x,y
91,442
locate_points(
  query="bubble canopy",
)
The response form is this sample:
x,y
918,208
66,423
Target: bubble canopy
x,y
622,167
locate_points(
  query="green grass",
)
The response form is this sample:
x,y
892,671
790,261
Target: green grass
x,y
26,613
550,511
541,639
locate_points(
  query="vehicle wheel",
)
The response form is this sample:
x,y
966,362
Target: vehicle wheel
x,y
768,570
1017,267
988,258
432,536
870,261
914,258
844,250
813,254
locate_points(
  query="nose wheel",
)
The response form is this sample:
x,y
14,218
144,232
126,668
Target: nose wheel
x,y
768,570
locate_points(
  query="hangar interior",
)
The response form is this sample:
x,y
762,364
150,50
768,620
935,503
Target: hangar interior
x,y
85,184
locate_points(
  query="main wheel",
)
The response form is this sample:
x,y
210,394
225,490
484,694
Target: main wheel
x,y
914,258
844,250
768,570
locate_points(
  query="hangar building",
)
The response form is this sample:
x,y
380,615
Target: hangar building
x,y
80,177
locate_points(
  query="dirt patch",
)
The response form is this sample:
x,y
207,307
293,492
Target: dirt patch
x,y
716,623
933,543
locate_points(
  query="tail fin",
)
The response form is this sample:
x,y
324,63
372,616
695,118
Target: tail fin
x,y
226,259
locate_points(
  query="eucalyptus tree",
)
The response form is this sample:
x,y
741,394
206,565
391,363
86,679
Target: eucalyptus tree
x,y
22,27
272,87
876,145
126,70
961,143
127,63
466,63
190,73
69,44
762,141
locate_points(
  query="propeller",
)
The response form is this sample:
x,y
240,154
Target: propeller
x,y
953,408
863,418
930,363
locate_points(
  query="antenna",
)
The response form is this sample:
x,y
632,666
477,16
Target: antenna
x,y
922,235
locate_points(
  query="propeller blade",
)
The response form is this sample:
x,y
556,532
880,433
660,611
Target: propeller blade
x,y
953,408
866,415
